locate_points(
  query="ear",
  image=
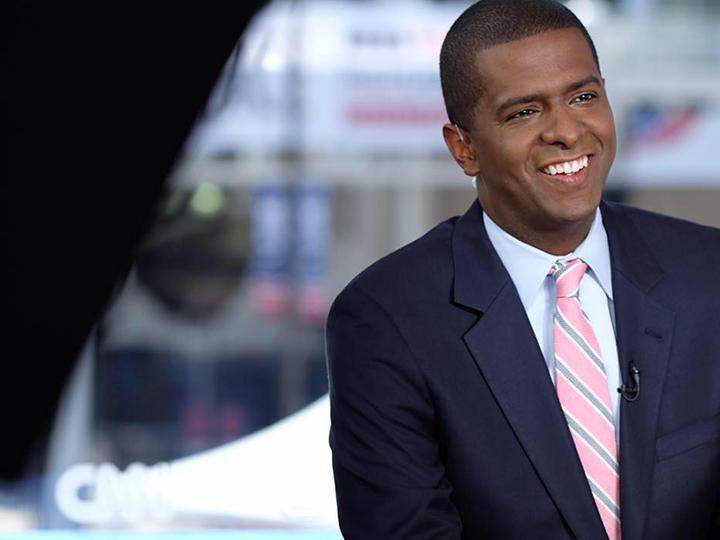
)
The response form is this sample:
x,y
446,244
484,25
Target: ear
x,y
461,148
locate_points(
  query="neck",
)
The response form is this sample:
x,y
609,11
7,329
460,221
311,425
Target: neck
x,y
555,242
556,239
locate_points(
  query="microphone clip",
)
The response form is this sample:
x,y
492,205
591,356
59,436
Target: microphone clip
x,y
631,390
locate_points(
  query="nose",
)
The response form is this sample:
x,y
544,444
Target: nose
x,y
561,128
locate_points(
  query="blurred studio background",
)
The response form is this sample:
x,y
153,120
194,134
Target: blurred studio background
x,y
198,401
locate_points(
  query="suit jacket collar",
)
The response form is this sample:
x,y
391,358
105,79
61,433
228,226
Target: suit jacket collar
x,y
505,350
629,253
644,329
479,272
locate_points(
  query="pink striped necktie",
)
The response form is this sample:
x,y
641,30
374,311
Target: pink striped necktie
x,y
582,389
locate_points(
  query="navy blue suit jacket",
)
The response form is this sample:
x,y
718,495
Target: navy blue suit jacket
x,y
446,425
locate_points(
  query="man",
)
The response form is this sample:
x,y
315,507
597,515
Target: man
x,y
474,373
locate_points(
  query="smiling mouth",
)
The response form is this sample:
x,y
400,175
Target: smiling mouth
x,y
567,168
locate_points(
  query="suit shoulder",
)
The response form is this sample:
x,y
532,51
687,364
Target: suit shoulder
x,y
414,266
644,217
674,238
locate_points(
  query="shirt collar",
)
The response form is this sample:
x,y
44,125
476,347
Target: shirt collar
x,y
528,266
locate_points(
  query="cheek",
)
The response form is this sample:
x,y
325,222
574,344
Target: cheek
x,y
612,141
516,157
508,157
604,127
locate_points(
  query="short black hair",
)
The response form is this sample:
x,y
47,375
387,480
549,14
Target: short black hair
x,y
483,25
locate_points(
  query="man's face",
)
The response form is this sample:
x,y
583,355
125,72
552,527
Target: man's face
x,y
543,112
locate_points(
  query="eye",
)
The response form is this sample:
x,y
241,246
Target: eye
x,y
584,97
522,114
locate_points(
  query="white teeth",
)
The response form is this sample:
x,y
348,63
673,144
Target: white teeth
x,y
568,167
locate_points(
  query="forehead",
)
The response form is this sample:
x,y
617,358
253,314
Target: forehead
x,y
537,64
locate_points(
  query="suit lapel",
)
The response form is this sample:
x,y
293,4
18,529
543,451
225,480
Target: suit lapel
x,y
505,349
644,334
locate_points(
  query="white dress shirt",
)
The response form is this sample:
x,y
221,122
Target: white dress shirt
x,y
528,268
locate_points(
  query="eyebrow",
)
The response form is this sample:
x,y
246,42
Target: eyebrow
x,y
583,82
520,100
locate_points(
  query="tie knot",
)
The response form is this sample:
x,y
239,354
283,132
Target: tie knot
x,y
568,276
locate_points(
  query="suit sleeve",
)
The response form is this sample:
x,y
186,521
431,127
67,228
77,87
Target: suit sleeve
x,y
390,481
